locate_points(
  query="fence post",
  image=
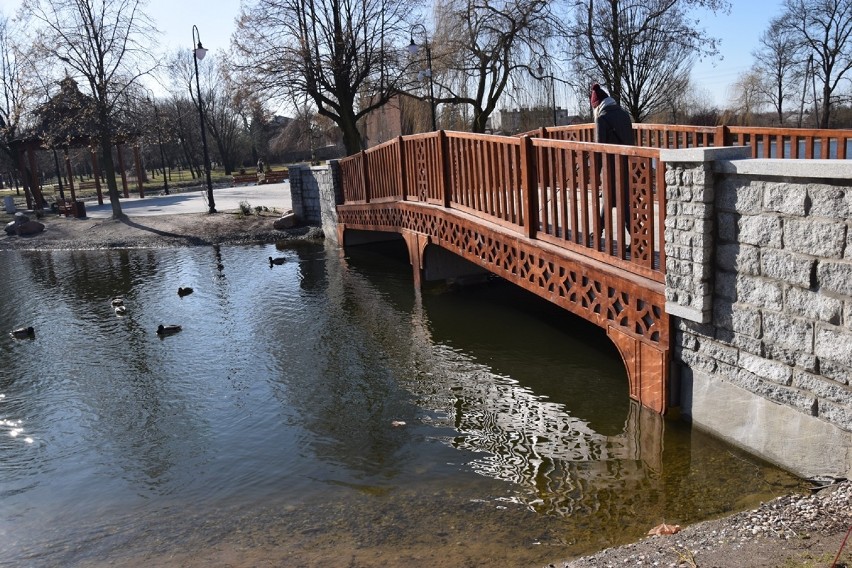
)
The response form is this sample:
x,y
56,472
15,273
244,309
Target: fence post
x,y
722,136
365,179
403,190
529,186
445,168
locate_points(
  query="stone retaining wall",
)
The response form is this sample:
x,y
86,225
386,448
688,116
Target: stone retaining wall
x,y
315,191
759,284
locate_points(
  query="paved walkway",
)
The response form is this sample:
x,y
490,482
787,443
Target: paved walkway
x,y
274,196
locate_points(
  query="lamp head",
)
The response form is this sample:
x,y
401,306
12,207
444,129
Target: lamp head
x,y
413,47
200,52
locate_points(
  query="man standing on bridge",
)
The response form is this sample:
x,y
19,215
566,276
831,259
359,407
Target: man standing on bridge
x,y
612,126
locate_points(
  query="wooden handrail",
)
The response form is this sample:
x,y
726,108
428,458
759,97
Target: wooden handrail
x,y
544,189
765,142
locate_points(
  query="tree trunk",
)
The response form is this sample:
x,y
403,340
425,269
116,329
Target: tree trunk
x,y
351,136
479,121
109,172
826,107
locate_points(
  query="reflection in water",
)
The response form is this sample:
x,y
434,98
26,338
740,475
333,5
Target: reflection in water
x,y
264,431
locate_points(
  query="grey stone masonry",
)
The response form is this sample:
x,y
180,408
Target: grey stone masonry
x,y
764,318
315,191
690,225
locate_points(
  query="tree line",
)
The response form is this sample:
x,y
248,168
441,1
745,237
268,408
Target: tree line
x,y
330,63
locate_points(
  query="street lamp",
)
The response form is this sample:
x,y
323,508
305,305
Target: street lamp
x,y
552,89
413,48
160,142
199,53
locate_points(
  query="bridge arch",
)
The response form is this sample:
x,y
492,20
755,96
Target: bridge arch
x,y
636,327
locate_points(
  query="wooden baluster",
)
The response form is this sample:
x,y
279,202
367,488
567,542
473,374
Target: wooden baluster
x,y
444,164
403,188
365,178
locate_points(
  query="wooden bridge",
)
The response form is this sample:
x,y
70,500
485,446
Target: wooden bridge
x,y
530,210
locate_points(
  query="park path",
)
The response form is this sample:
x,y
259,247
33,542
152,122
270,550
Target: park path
x,y
273,196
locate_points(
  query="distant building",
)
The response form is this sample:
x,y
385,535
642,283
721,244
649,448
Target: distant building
x,y
400,116
514,121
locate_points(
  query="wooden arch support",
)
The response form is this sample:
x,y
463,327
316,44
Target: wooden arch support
x,y
631,309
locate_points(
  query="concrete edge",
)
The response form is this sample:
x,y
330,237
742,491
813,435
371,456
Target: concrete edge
x,y
802,444
827,169
701,155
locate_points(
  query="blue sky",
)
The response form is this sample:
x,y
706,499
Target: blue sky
x,y
739,32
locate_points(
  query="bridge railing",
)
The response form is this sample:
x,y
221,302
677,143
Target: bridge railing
x,y
590,198
786,143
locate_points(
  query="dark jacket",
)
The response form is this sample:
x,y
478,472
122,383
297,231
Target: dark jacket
x,y
613,125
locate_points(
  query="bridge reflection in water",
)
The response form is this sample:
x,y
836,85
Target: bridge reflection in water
x,y
559,460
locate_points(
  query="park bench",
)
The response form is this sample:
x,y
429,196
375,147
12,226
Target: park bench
x,y
238,179
276,176
64,207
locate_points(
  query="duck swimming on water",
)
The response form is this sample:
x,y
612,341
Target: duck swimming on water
x,y
279,260
185,291
23,332
168,329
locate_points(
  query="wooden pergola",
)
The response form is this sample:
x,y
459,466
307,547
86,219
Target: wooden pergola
x,y
68,120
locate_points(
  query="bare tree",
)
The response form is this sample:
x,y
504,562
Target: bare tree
x,y
483,45
641,51
749,98
15,96
106,44
778,60
344,55
824,29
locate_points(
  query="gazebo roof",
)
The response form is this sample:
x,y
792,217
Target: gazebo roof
x,y
68,118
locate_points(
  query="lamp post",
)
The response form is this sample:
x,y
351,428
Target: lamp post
x,y
552,89
413,48
160,142
199,53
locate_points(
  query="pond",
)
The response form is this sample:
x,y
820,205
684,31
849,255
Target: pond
x,y
323,412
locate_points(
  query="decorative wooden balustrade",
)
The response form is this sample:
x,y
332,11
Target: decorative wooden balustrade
x,y
562,186
529,210
794,143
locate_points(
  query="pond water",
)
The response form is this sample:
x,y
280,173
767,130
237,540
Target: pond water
x,y
322,412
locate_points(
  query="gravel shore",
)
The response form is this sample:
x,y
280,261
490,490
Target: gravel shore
x,y
791,531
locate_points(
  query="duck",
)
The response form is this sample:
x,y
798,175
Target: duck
x,y
185,291
23,332
120,310
119,301
279,260
168,329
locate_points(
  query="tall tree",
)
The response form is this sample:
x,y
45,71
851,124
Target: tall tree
x,y
344,55
749,95
641,51
105,44
484,44
824,28
779,62
15,93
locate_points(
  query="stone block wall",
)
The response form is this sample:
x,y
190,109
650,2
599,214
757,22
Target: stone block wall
x,y
315,190
759,281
